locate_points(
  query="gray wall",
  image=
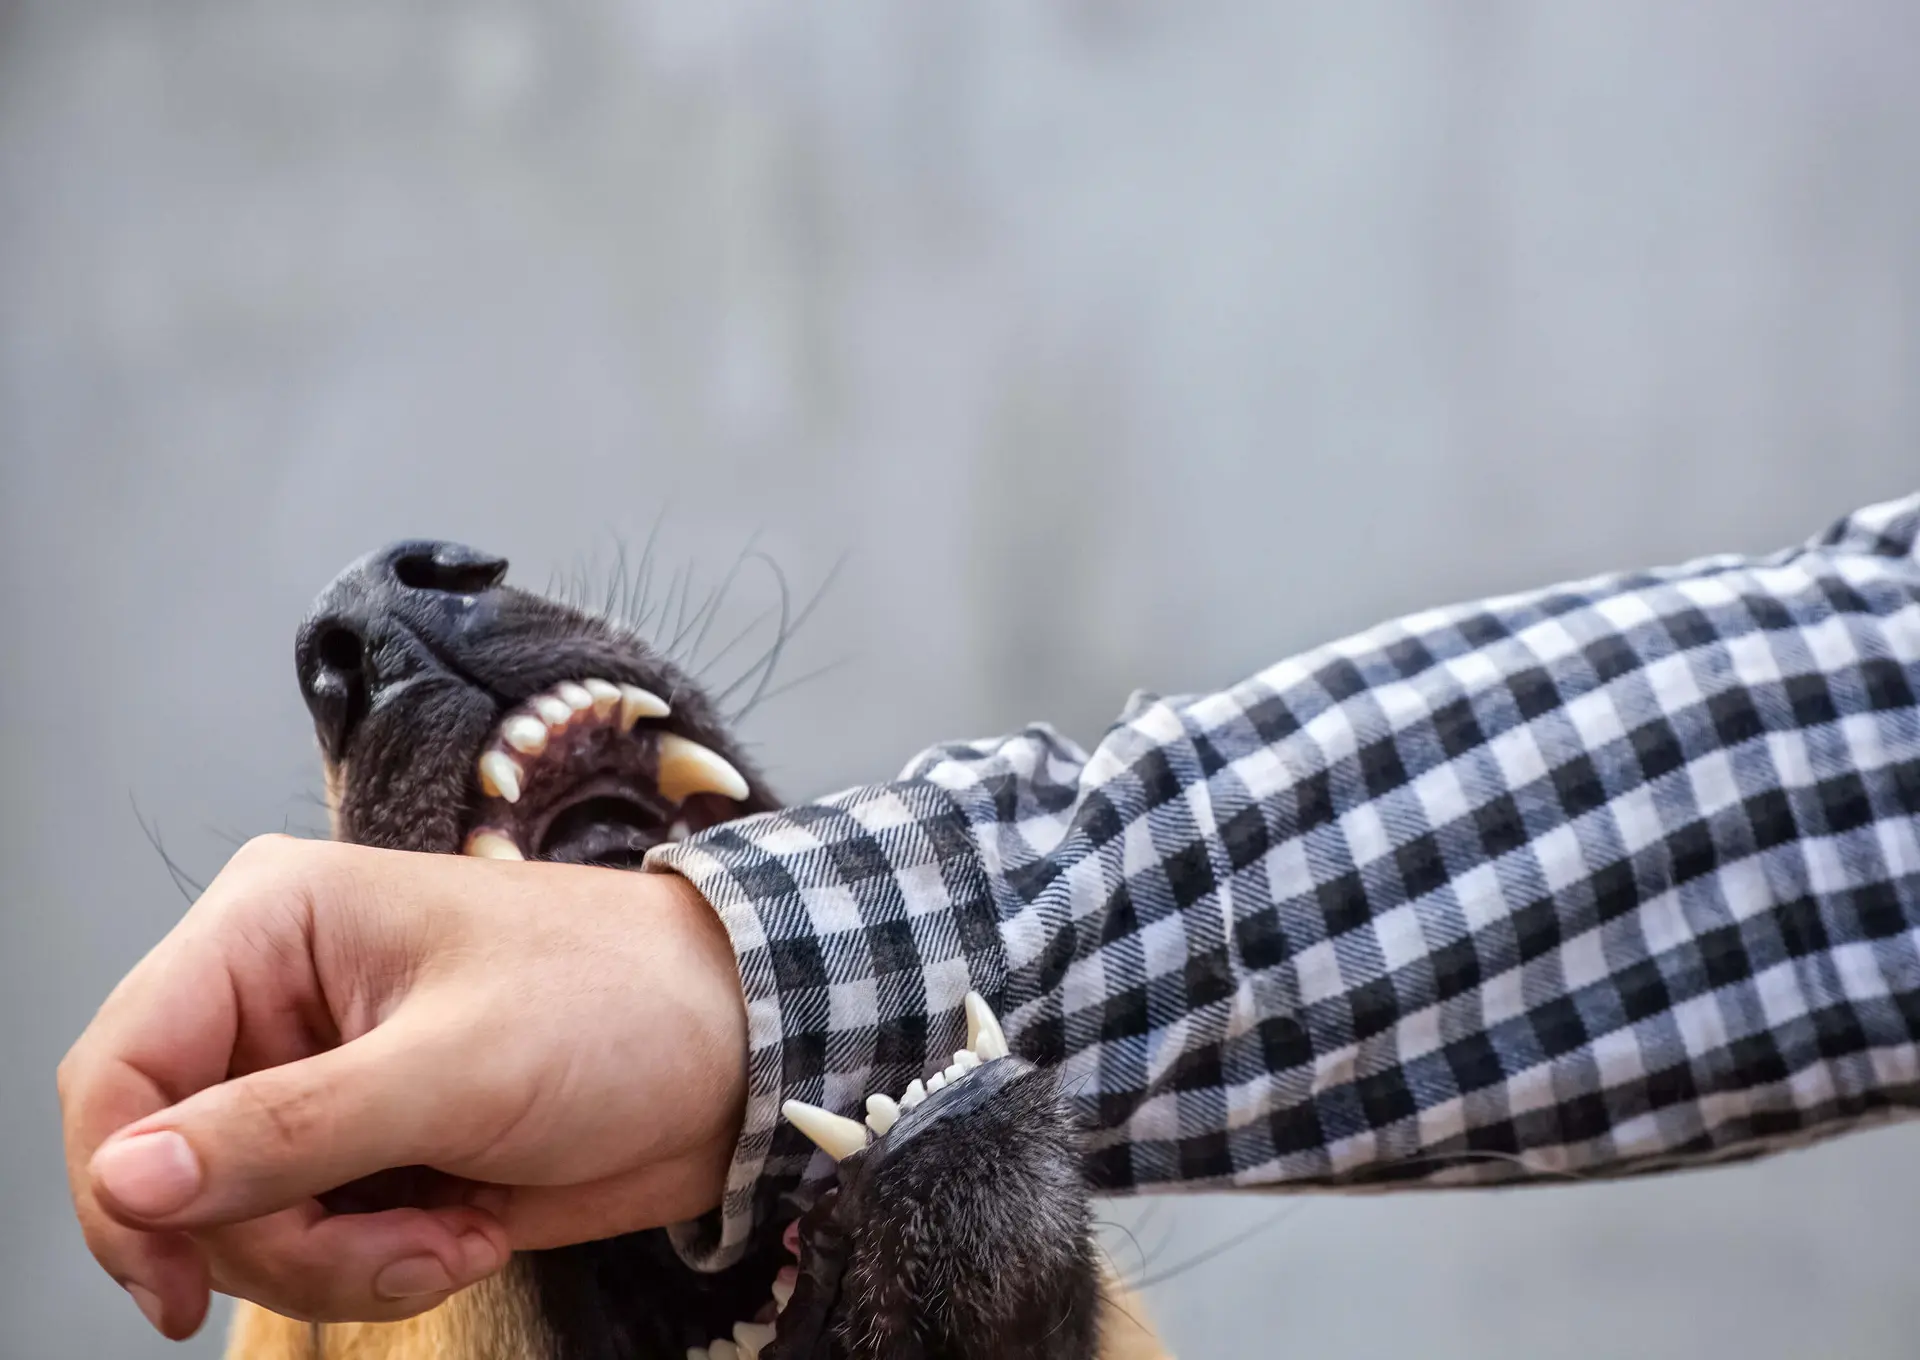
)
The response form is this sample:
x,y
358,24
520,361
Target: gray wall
x,y
1115,345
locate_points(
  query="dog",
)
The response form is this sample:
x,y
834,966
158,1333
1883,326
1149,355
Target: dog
x,y
458,715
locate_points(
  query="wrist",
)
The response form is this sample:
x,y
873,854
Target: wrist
x,y
717,1028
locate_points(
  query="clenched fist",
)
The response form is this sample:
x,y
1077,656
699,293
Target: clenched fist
x,y
557,1054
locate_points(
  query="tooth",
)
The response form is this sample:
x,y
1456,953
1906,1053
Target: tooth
x,y
698,1353
687,768
500,775
784,1284
525,735
965,1060
678,832
881,1112
556,712
576,696
722,1349
605,696
953,1073
915,1093
936,1081
984,1035
637,703
835,1134
491,844
752,1338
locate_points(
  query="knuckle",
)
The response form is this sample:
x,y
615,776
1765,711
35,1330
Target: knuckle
x,y
271,875
289,1290
289,1115
260,852
266,1272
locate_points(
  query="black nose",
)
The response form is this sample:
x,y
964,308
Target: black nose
x,y
385,619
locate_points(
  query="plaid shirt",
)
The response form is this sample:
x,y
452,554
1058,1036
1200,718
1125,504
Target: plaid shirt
x,y
1605,878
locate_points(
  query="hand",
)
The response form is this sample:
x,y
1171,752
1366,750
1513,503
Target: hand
x,y
564,1046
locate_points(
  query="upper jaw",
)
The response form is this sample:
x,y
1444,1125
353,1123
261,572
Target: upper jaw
x,y
603,754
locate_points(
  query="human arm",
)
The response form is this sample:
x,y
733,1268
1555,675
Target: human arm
x,y
1604,878
1598,879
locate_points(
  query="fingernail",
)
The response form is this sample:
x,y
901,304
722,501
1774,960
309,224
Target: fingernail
x,y
149,1305
478,1256
415,1275
150,1175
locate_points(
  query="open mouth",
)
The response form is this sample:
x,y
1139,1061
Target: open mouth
x,y
804,1291
585,773
588,772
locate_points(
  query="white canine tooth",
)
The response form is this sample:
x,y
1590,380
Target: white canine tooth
x,y
576,696
936,1081
783,1286
492,845
555,712
835,1134
637,703
605,694
722,1349
500,775
882,1111
525,735
698,1353
965,1060
752,1338
984,1035
915,1093
678,832
687,768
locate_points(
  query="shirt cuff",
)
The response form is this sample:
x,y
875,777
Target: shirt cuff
x,y
860,922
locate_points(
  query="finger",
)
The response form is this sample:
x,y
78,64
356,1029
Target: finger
x,y
539,1217
170,1028
271,1139
163,1272
100,1092
308,1264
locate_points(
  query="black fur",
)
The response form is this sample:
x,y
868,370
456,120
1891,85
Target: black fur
x,y
964,1233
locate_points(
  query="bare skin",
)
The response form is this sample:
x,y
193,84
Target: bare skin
x,y
566,1046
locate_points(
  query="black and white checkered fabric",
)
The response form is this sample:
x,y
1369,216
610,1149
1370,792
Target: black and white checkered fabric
x,y
1608,877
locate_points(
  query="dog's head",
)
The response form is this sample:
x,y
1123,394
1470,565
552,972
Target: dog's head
x,y
457,714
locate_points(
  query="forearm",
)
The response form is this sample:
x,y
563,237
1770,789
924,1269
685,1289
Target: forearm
x,y
1585,880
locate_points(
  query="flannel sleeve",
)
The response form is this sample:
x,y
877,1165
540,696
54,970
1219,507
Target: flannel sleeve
x,y
1610,877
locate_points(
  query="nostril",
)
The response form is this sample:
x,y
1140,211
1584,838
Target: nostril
x,y
449,567
335,676
340,650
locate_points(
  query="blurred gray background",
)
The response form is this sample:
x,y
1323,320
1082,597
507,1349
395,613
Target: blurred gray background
x,y
1114,345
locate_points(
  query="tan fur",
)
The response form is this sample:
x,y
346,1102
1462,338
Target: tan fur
x,y
1125,1331
495,1320
336,777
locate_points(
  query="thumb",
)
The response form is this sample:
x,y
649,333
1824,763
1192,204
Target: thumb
x,y
265,1141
